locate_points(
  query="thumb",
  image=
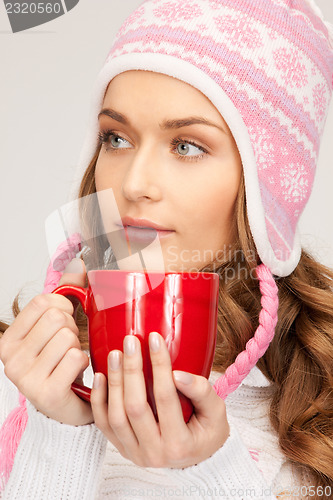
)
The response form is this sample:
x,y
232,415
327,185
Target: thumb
x,y
201,393
74,274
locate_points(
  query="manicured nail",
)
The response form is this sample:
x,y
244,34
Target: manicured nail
x,y
183,377
114,360
154,341
129,345
74,266
97,380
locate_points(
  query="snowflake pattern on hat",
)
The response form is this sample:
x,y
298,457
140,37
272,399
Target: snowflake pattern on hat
x,y
292,68
241,31
295,181
178,10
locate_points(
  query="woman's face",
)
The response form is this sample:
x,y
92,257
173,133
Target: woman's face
x,y
168,169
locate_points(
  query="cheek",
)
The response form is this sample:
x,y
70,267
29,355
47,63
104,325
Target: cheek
x,y
223,200
214,217
216,202
105,176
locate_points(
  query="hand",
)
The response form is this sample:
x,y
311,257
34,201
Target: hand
x,y
42,356
122,413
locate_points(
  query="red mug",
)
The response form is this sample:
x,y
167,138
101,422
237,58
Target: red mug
x,y
182,307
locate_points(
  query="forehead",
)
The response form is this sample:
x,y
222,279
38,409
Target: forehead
x,y
146,90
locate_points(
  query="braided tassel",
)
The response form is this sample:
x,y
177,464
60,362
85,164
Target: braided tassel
x,y
10,436
65,252
258,344
14,425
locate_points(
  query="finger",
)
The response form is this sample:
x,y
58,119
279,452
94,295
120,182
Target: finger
x,y
168,406
100,407
54,351
137,408
69,367
33,311
59,364
74,273
26,353
57,393
46,327
116,409
202,395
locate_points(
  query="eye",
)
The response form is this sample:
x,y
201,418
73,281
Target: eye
x,y
115,142
184,148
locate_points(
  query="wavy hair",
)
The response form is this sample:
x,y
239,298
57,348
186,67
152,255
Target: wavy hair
x,y
299,359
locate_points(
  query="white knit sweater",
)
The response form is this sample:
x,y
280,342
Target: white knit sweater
x,y
56,461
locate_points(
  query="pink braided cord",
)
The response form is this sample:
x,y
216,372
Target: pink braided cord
x,y
65,252
15,423
258,344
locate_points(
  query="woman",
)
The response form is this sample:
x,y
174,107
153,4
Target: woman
x,y
243,188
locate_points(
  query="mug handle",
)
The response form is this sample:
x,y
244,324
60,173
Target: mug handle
x,y
81,294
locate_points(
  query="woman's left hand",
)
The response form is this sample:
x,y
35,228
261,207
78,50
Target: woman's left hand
x,y
122,413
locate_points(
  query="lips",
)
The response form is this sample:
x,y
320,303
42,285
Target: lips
x,y
142,223
143,230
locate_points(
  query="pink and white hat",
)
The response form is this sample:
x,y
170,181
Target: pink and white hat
x,y
267,66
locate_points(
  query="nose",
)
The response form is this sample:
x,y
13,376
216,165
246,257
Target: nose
x,y
142,179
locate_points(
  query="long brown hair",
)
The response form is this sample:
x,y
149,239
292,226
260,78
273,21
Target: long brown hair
x,y
299,359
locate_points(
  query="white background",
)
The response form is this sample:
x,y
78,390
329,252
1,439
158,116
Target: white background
x,y
47,74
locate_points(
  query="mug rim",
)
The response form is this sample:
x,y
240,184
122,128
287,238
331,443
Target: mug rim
x,y
154,273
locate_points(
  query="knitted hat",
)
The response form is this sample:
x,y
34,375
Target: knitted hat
x,y
267,66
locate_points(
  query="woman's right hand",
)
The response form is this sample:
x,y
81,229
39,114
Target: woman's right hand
x,y
42,355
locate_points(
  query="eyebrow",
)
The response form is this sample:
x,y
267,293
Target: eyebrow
x,y
166,125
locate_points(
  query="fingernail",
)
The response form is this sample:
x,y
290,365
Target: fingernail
x,y
154,341
183,377
129,345
114,360
74,266
97,380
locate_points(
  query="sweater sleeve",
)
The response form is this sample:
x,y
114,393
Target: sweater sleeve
x,y
53,460
230,473
9,396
